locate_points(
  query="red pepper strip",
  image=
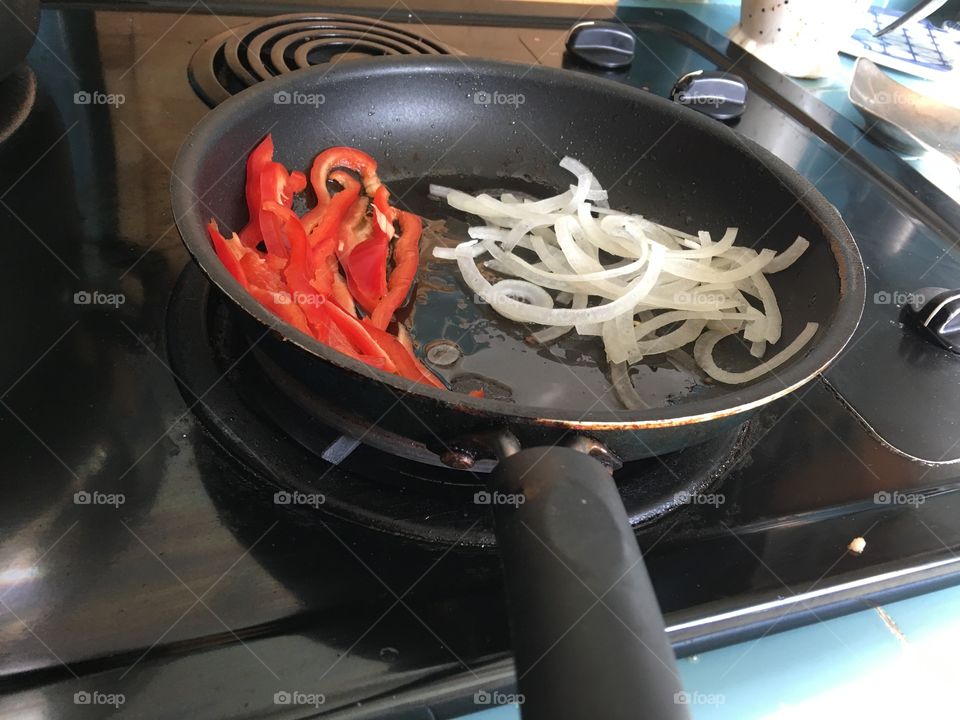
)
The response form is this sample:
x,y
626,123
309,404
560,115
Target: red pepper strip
x,y
366,264
344,157
358,335
340,292
356,227
256,162
405,362
325,237
477,393
261,272
281,306
324,232
337,328
324,219
403,337
376,362
406,257
229,251
277,186
286,227
381,201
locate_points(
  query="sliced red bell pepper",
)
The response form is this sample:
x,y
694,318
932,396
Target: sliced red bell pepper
x,y
229,251
258,159
324,231
406,257
285,227
366,264
406,364
323,220
342,157
325,237
356,226
358,335
403,337
298,277
277,186
281,306
340,292
319,313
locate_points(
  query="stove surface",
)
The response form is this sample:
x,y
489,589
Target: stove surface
x,y
143,554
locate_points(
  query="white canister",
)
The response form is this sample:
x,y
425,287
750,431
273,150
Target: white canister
x,y
799,37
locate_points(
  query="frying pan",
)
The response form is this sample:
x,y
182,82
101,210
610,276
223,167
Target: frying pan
x,y
587,632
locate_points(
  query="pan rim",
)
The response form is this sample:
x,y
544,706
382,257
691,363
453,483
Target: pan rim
x,y
739,399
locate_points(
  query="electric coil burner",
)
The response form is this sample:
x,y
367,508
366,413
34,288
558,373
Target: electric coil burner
x,y
377,481
240,57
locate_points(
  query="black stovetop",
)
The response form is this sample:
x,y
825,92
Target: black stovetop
x,y
200,597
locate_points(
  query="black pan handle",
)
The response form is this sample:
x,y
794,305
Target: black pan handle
x,y
588,635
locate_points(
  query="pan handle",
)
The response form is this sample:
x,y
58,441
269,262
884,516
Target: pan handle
x,y
587,632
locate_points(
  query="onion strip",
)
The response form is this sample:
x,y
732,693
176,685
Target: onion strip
x,y
646,279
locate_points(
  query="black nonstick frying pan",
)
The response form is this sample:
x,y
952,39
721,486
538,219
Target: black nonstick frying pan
x,y
587,632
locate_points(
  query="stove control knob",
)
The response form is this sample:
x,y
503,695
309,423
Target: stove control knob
x,y
722,96
935,314
604,44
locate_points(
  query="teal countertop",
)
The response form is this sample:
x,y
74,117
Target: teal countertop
x,y
894,661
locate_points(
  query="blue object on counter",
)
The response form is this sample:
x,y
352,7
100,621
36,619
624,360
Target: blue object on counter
x,y
915,47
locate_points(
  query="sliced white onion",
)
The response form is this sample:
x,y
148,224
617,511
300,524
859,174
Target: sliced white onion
x,y
552,333
524,292
557,316
623,386
703,354
789,256
450,253
691,288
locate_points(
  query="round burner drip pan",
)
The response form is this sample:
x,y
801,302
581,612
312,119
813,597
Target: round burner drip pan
x,y
240,57
247,409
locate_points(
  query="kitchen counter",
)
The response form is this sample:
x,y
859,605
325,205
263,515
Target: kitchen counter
x,y
892,661
939,169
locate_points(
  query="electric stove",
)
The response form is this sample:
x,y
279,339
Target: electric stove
x,y
183,536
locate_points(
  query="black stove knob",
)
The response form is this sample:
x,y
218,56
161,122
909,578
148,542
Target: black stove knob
x,y
722,96
935,314
604,44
